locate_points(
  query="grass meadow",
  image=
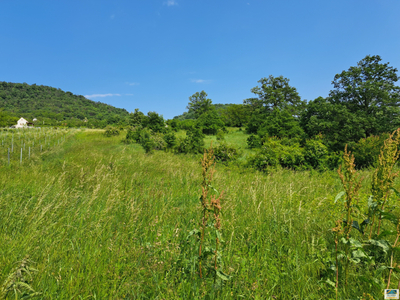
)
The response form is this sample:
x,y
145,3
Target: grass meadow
x,y
99,219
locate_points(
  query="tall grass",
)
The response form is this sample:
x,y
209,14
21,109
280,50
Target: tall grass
x,y
104,220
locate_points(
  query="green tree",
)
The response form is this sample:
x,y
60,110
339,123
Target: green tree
x,y
273,93
210,122
334,121
155,122
369,91
199,103
281,124
236,115
137,118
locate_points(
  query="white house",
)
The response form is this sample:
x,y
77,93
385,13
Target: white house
x,y
22,123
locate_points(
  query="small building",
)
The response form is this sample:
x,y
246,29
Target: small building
x,y
23,123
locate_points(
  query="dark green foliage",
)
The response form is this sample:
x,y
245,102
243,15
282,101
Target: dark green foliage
x,y
316,154
111,131
187,124
255,122
193,143
280,124
133,135
334,121
210,122
274,152
199,103
254,141
54,106
170,140
364,102
137,118
226,153
235,115
369,91
366,151
173,124
220,135
155,122
6,119
273,93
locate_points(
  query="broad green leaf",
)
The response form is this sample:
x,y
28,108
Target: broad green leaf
x,y
380,243
331,283
358,254
223,276
355,243
340,195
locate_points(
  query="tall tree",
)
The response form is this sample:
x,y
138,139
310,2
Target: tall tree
x,y
369,91
275,92
199,103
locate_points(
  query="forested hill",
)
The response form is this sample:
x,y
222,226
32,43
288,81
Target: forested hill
x,y
52,104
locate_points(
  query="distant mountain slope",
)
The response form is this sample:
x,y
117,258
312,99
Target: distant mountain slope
x,y
38,101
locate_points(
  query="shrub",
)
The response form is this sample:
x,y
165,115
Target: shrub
x,y
170,140
280,124
226,153
210,122
111,131
366,151
133,135
253,141
274,153
220,135
316,154
155,122
193,143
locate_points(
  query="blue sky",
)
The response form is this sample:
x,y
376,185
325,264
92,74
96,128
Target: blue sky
x,y
153,55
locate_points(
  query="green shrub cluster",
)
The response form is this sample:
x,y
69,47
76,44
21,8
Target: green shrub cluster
x,y
226,153
111,131
150,140
289,154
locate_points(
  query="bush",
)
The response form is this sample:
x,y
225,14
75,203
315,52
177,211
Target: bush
x,y
366,151
151,141
210,122
170,140
253,141
280,124
193,143
111,131
316,154
273,153
226,153
133,135
220,135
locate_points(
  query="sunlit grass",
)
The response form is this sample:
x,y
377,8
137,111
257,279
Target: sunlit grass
x,y
104,220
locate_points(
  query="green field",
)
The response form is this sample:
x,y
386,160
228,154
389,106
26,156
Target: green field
x,y
103,220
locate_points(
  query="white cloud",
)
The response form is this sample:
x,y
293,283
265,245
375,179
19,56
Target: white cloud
x,y
200,80
133,83
101,95
171,3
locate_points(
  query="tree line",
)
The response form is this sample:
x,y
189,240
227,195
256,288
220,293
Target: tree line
x,y
360,111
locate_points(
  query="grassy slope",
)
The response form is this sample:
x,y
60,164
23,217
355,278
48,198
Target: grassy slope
x,y
104,220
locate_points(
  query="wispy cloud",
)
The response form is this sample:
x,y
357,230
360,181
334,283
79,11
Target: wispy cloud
x,y
170,3
200,81
112,17
101,95
133,83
